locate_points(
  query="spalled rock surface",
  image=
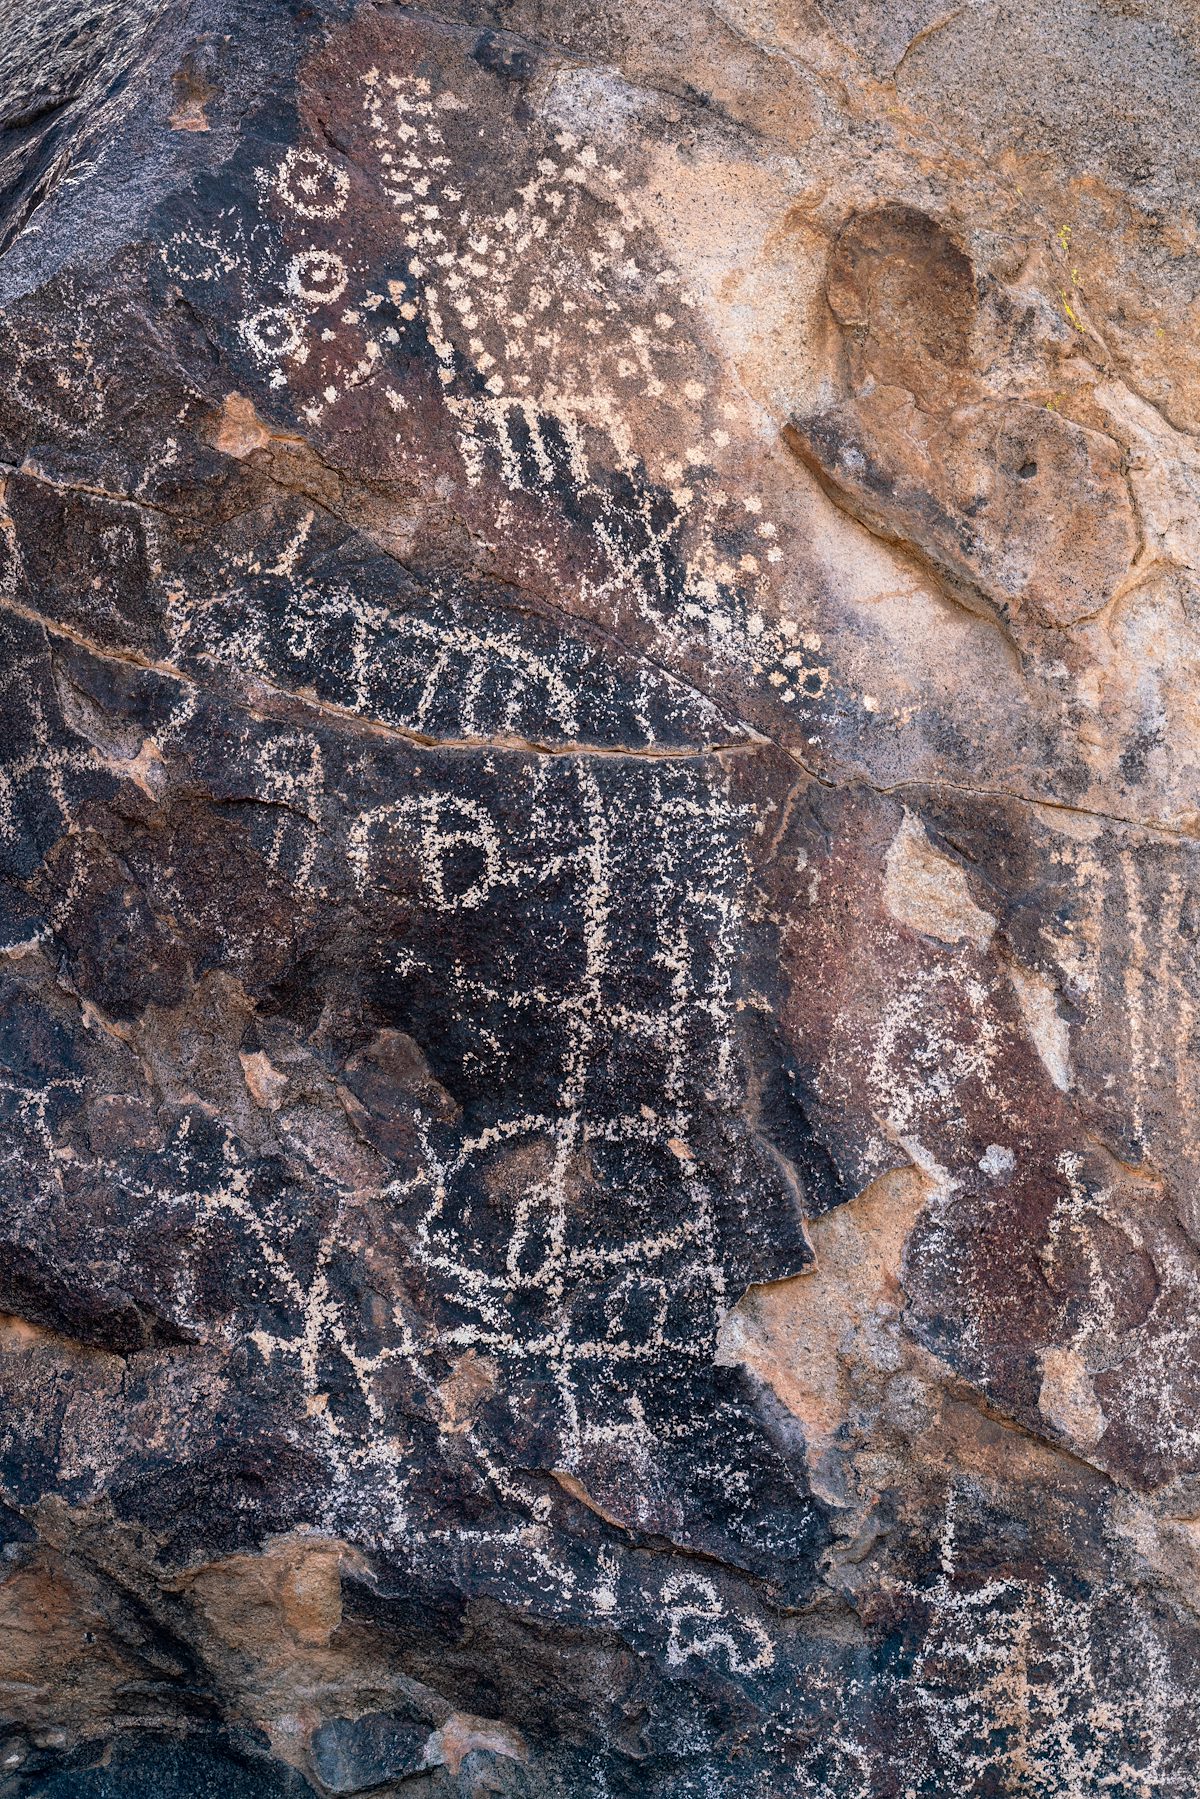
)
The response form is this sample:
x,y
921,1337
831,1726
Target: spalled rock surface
x,y
599,743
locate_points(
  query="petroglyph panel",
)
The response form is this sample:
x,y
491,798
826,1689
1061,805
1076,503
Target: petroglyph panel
x,y
597,964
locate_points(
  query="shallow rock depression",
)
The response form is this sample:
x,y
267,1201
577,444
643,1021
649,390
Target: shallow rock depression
x,y
599,815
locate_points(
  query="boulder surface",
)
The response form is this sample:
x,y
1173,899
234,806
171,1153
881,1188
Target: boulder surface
x,y
599,851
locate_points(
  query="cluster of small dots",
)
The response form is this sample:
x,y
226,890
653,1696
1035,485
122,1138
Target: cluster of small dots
x,y
557,331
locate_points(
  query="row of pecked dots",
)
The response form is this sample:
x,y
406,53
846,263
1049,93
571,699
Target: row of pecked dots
x,y
687,475
689,479
480,280
413,166
789,655
582,280
479,283
485,273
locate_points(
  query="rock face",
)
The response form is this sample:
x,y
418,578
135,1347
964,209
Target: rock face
x,y
598,862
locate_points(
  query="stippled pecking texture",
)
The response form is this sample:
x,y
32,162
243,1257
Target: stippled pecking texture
x,y
599,721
